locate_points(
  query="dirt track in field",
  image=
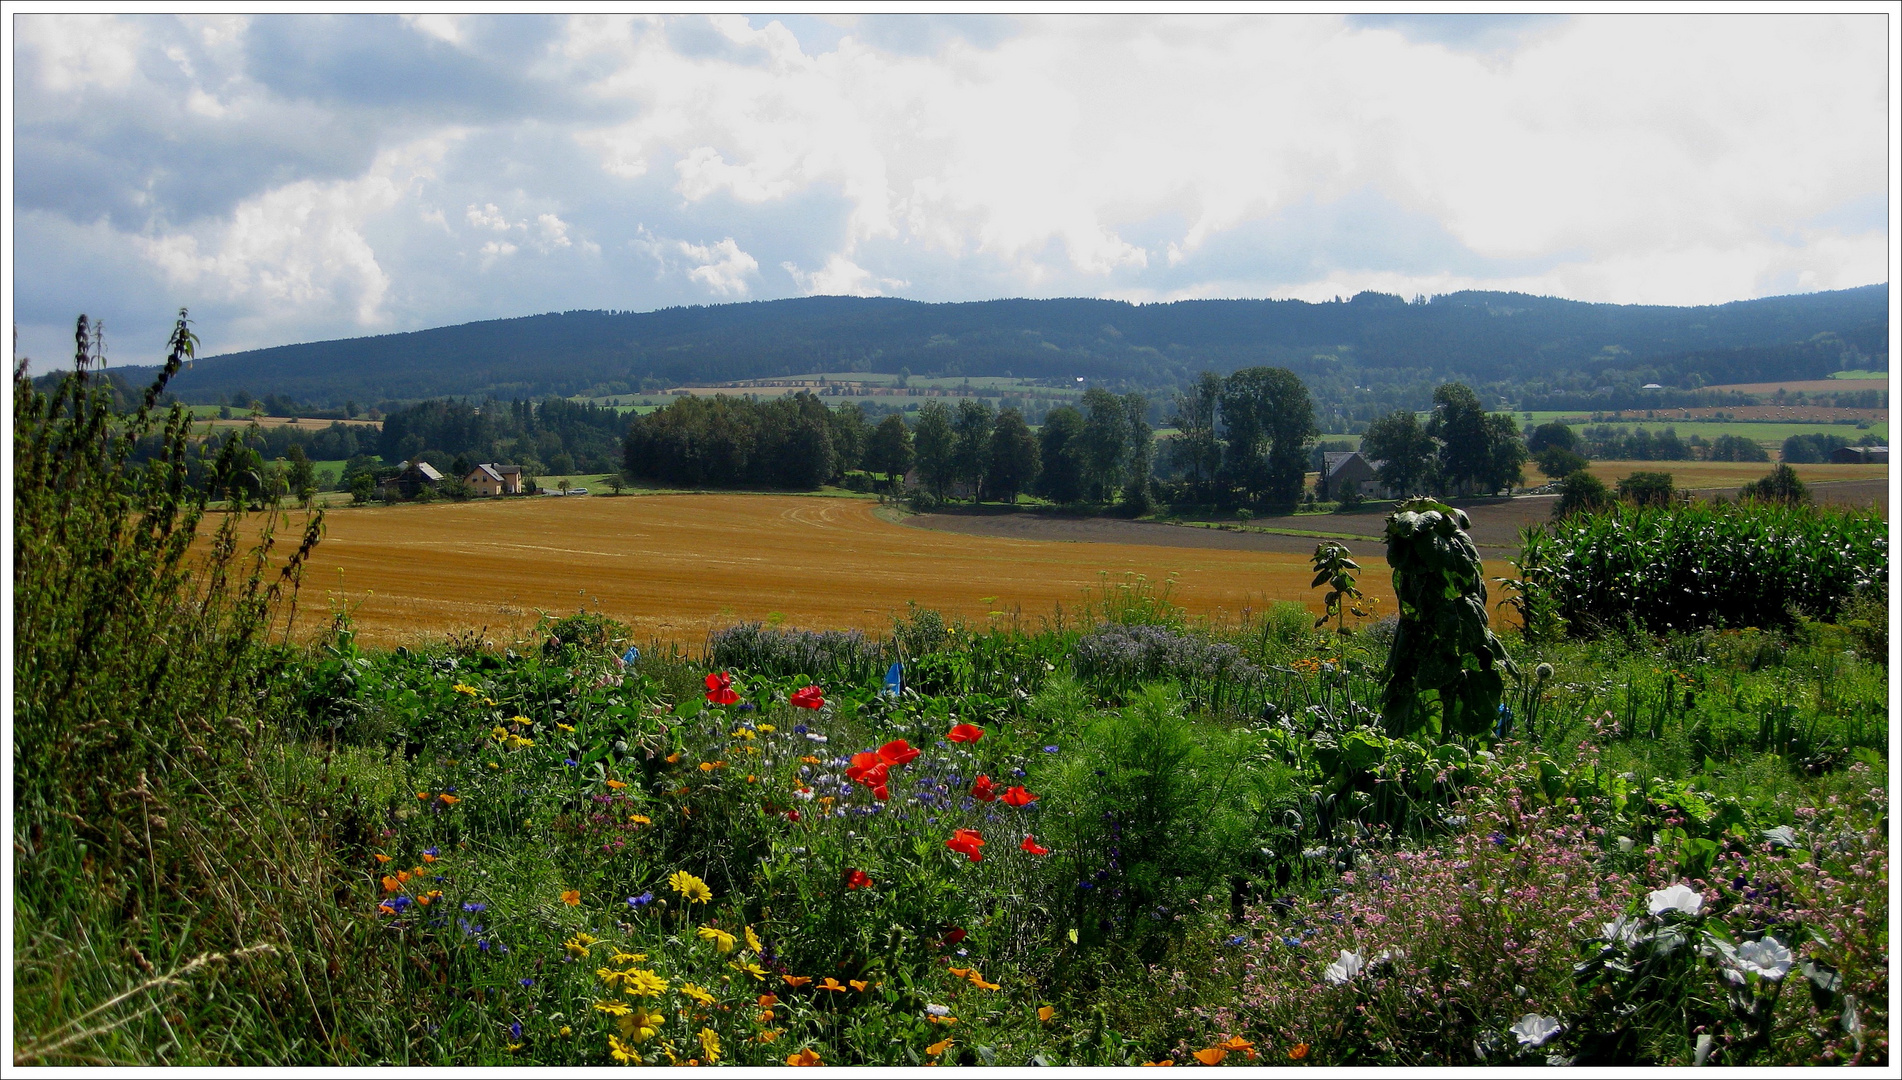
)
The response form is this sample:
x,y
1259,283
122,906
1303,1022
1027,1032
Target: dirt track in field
x,y
676,566
1496,523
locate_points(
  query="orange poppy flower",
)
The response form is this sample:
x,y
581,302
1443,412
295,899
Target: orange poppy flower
x,y
938,1047
860,985
390,884
382,858
808,1056
616,785
767,1001
1046,1013
449,800
1300,1051
797,981
1161,1063
1212,1056
965,733
1236,1042
833,985
572,898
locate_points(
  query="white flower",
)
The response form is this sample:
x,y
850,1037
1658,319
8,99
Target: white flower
x,y
938,1010
803,793
1769,958
1343,970
1679,898
1534,1030
815,736
1621,931
1625,843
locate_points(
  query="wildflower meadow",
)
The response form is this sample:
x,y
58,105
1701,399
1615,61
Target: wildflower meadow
x,y
1113,836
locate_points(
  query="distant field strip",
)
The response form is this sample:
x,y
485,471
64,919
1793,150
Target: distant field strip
x,y
675,566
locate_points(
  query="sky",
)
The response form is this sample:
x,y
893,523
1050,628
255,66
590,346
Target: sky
x,y
307,177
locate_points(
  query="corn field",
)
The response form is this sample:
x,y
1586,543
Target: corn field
x,y
1679,568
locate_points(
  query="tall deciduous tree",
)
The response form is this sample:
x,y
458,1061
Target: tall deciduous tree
x,y
1505,453
1105,443
935,443
1459,425
1195,449
1060,449
1013,462
888,448
1404,450
1268,418
1139,453
973,427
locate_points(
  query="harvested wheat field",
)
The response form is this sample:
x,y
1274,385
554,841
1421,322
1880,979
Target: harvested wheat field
x,y
675,566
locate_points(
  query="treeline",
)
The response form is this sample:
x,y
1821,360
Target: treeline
x,y
549,437
794,442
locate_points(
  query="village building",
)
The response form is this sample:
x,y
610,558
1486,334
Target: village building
x,y
414,476
1341,468
495,480
1860,455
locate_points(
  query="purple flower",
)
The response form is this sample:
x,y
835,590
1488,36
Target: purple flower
x,y
483,945
515,1030
1049,749
475,907
527,982
641,901
571,763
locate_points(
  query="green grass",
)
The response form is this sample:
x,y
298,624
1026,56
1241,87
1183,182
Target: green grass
x,y
1860,373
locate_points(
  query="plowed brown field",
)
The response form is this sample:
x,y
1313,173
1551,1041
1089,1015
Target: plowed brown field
x,y
676,566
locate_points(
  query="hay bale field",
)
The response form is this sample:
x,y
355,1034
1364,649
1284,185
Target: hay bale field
x,y
675,566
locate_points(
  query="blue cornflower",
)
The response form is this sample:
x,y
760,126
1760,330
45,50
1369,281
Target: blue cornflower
x,y
515,1030
1238,939
431,852
475,907
1019,773
1049,749
1086,884
799,729
571,763
483,945
527,982
641,901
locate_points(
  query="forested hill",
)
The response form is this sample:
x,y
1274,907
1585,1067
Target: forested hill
x,y
1481,336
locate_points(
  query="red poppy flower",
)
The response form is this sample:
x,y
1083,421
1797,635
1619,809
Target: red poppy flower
x,y
867,769
857,879
792,815
954,935
1017,796
810,697
897,752
720,689
966,842
1031,845
881,792
965,733
982,790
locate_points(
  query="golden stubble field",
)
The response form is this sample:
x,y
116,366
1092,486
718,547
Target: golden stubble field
x,y
677,566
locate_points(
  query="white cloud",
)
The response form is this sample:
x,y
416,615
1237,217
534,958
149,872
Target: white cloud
x,y
1657,159
723,268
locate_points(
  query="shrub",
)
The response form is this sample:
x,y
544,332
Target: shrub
x,y
1580,492
835,656
1782,486
1647,489
1737,448
1117,659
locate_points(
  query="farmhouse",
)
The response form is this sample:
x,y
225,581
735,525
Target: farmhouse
x,y
495,480
1860,455
415,476
1339,469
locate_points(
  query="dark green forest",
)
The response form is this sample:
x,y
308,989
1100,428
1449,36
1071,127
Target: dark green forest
x,y
1360,357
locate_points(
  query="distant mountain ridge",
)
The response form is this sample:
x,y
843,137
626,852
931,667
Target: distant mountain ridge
x,y
1477,335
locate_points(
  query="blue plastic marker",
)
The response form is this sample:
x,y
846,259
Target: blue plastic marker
x,y
630,656
895,679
